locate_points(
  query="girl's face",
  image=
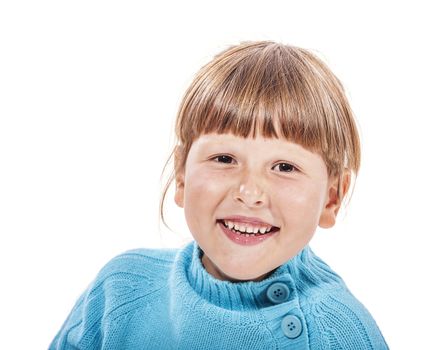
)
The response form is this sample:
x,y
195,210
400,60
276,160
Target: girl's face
x,y
253,184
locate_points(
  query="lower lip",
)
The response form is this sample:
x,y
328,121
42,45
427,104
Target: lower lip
x,y
242,239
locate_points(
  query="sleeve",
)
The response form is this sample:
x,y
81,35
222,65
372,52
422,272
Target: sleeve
x,y
340,321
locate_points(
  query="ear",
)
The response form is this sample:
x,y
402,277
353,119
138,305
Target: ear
x,y
179,194
179,176
337,188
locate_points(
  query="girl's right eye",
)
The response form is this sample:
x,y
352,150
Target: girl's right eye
x,y
223,159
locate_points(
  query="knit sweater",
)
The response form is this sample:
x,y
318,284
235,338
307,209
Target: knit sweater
x,y
165,299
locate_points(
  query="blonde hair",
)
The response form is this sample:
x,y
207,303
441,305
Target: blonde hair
x,y
274,90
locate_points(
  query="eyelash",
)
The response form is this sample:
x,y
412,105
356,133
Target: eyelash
x,y
231,158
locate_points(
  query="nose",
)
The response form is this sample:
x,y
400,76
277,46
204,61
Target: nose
x,y
250,190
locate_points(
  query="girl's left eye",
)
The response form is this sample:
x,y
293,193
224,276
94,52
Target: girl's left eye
x,y
285,167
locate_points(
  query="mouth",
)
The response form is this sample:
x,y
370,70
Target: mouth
x,y
247,230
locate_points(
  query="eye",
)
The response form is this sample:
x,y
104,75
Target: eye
x,y
223,159
286,167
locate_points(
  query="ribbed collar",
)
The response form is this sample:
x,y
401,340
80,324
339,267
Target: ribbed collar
x,y
249,295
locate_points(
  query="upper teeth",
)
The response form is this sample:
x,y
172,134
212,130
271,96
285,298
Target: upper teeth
x,y
247,228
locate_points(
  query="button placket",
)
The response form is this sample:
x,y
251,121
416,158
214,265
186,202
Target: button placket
x,y
284,317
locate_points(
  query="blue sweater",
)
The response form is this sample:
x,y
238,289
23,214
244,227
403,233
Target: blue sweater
x,y
165,299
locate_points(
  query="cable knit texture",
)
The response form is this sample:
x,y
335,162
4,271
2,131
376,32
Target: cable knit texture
x,y
165,299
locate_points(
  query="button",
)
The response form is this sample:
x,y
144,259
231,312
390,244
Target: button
x,y
278,293
291,326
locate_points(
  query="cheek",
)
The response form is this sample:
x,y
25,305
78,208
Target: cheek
x,y
202,193
203,185
301,203
301,194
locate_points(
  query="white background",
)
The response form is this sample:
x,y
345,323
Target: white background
x,y
88,94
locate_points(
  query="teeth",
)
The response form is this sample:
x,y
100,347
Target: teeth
x,y
246,229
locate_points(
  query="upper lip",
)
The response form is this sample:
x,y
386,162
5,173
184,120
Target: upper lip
x,y
247,220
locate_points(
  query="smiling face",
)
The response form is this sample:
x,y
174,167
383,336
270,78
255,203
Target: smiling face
x,y
254,184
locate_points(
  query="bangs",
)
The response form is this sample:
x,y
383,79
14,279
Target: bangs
x,y
268,90
260,102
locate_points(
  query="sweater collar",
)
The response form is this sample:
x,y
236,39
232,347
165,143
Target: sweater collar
x,y
194,291
239,296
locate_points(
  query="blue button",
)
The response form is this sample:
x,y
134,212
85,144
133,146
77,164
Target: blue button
x,y
291,326
278,293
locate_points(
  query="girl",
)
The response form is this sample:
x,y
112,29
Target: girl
x,y
267,147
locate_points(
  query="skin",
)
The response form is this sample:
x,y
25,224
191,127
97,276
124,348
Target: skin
x,y
278,181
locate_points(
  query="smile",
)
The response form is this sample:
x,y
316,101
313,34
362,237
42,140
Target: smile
x,y
245,238
247,229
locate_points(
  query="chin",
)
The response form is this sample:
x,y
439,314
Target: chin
x,y
230,271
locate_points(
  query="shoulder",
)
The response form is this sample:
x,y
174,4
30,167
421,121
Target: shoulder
x,y
335,317
127,283
140,263
133,274
338,320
